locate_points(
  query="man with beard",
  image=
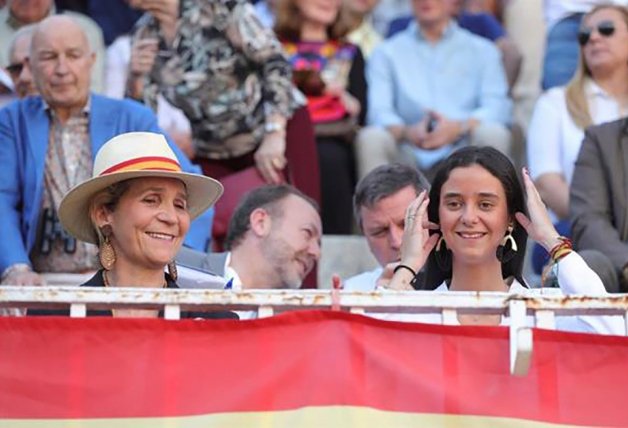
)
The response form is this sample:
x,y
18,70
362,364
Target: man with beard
x,y
273,241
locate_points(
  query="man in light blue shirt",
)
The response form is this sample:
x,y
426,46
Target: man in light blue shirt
x,y
432,88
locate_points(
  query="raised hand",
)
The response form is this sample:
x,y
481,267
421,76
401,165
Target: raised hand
x,y
417,242
270,158
538,225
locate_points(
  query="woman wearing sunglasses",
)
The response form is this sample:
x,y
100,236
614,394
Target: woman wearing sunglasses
x,y
597,93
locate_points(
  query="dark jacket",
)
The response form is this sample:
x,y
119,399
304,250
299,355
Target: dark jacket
x,y
97,281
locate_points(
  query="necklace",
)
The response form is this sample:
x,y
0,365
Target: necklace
x,y
105,280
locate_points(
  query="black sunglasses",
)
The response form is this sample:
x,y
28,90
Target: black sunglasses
x,y
15,69
605,28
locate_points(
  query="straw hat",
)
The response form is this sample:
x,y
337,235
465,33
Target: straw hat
x,y
132,155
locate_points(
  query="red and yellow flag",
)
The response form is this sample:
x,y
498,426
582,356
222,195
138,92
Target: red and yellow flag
x,y
305,369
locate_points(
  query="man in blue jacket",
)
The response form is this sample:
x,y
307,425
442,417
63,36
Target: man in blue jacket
x,y
47,147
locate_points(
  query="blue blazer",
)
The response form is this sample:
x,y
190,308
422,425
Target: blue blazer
x,y
24,127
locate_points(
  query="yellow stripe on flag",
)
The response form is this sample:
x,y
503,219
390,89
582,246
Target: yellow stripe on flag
x,y
309,417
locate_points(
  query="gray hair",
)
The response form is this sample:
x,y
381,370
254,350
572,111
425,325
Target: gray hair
x,y
382,182
26,30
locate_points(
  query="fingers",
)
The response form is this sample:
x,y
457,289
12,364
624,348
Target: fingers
x,y
384,279
431,243
268,171
523,220
413,210
416,213
430,225
336,283
528,183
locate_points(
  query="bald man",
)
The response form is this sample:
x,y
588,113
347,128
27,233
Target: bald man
x,y
20,13
19,50
48,144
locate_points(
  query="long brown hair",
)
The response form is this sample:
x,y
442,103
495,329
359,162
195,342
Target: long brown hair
x,y
576,99
289,21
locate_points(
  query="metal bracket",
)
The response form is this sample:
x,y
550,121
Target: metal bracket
x,y
520,339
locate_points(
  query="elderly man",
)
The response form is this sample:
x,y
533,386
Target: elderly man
x,y
380,203
273,237
19,13
48,143
18,69
434,87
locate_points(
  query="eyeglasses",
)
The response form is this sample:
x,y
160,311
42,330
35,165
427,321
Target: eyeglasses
x,y
15,69
605,28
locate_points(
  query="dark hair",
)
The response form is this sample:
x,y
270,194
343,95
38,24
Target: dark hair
x,y
289,21
496,163
266,197
109,198
382,182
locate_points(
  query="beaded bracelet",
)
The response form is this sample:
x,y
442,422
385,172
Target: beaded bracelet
x,y
561,249
400,266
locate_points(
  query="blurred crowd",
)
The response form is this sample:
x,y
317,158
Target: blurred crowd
x,y
314,96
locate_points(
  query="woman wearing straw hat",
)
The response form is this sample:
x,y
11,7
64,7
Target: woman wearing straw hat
x,y
137,208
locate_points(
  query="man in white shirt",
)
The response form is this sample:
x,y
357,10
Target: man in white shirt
x,y
273,241
379,204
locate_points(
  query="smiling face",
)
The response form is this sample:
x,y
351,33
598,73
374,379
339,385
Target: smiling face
x,y
606,52
292,244
383,224
149,222
319,12
61,63
473,214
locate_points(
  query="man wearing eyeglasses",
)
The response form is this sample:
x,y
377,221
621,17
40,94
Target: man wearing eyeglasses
x,y
18,68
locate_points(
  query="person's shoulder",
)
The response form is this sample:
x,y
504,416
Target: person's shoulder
x,y
473,41
25,107
94,281
483,24
124,105
611,130
553,96
401,39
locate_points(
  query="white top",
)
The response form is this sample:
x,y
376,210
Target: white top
x,y
555,10
574,277
554,139
169,117
365,281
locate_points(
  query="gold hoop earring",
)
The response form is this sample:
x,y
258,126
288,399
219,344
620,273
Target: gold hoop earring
x,y
107,254
172,270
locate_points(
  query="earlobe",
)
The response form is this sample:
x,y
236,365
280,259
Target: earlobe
x,y
100,215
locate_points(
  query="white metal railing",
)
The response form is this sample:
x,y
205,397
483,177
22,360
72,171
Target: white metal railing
x,y
268,302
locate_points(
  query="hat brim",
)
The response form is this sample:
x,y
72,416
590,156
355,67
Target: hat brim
x,y
74,215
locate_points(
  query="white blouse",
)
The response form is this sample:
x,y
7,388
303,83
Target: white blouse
x,y
554,139
574,277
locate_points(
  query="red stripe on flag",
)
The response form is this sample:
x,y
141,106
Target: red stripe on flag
x,y
105,368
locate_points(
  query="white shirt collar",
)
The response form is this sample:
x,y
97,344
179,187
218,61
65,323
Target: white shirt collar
x,y
231,275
